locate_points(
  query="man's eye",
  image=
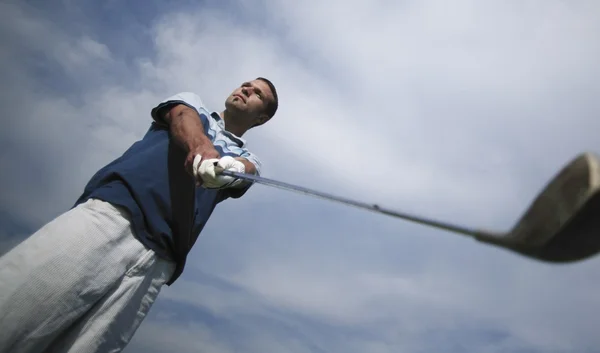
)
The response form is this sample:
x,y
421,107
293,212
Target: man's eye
x,y
259,96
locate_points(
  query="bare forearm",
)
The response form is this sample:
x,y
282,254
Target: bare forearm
x,y
188,132
187,129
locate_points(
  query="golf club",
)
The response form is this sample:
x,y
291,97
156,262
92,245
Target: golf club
x,y
561,225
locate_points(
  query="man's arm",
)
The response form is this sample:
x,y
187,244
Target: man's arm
x,y
249,167
187,129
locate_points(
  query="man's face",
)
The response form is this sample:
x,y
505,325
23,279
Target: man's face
x,y
250,99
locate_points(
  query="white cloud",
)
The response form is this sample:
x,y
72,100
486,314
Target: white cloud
x,y
534,303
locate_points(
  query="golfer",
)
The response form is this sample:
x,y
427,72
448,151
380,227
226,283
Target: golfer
x,y
86,280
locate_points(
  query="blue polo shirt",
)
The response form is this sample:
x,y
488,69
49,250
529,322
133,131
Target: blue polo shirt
x,y
167,210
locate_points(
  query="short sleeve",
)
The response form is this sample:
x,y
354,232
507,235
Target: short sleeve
x,y
189,99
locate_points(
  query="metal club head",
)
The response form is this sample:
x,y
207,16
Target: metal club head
x,y
563,222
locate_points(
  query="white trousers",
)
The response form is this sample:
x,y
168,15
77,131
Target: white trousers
x,y
82,283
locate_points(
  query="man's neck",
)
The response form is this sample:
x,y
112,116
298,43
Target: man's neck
x,y
231,126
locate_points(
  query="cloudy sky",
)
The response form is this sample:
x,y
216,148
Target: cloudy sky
x,y
458,110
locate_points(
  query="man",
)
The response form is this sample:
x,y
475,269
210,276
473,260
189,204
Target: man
x,y
85,281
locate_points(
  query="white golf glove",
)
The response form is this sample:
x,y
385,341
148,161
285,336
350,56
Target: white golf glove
x,y
205,170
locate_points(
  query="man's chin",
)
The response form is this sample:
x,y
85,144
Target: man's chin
x,y
236,109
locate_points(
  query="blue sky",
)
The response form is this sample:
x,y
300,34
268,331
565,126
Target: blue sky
x,y
456,111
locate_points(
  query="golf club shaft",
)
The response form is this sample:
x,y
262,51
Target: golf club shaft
x,y
478,234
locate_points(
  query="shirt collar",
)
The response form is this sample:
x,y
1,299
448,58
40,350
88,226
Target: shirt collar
x,y
231,135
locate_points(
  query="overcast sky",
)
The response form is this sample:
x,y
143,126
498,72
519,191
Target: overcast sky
x,y
458,110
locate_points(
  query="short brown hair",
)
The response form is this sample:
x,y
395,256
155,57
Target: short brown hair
x,y
273,105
